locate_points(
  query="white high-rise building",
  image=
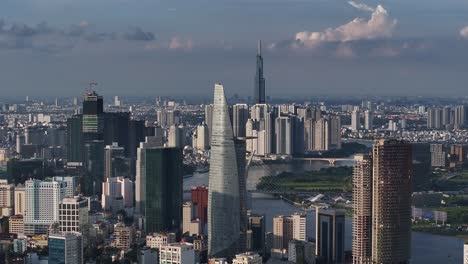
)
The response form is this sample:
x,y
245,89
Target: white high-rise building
x,y
355,120
176,137
73,214
258,111
42,205
202,142
117,101
117,193
177,253
368,120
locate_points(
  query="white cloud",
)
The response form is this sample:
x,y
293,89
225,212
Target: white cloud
x,y
464,32
379,26
361,6
178,44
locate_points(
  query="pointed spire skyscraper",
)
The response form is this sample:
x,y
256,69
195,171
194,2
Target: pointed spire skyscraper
x,y
223,191
259,94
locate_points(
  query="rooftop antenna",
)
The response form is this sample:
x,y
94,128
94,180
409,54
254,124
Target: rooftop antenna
x,y
259,49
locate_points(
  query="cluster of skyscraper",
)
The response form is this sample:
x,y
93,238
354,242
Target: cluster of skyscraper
x,y
447,117
382,204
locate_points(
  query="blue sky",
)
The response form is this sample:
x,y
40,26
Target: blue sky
x,y
312,47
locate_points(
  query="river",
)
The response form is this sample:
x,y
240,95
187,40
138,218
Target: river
x,y
425,248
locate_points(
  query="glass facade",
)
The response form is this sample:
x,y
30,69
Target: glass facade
x,y
223,196
163,189
56,251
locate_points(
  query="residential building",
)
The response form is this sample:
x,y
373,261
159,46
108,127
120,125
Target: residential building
x,y
391,201
157,240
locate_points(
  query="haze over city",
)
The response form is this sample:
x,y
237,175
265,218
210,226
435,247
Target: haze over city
x,y
153,47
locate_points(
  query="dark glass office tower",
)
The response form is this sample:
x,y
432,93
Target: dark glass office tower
x,y
93,114
116,129
75,139
330,235
93,161
159,181
259,95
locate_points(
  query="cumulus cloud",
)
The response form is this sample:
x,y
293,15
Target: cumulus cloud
x,y
379,26
464,32
361,6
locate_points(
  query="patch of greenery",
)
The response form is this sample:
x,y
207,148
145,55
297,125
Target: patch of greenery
x,y
326,179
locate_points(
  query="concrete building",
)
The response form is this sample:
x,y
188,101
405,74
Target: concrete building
x,y
73,214
287,228
368,120
158,240
330,236
42,205
284,135
7,194
177,253
148,256
123,236
247,258
434,118
199,198
355,120
16,224
66,248
240,114
117,194
190,224
114,160
301,252
72,184
438,155
203,138
209,120
391,202
362,209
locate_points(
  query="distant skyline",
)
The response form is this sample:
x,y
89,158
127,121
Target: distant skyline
x,y
181,47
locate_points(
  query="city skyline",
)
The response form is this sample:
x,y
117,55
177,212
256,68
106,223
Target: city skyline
x,y
388,52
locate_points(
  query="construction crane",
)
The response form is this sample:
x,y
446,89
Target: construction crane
x,y
91,84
